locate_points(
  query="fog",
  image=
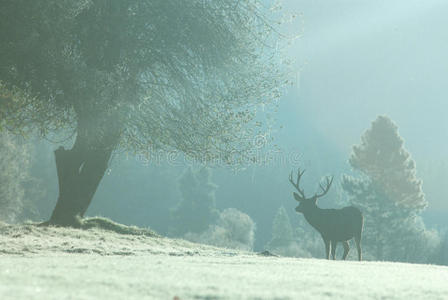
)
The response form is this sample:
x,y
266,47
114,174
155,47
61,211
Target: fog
x,y
352,62
359,60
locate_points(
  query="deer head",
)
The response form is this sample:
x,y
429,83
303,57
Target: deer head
x,y
307,204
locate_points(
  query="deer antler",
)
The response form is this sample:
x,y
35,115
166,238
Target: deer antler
x,y
296,184
328,182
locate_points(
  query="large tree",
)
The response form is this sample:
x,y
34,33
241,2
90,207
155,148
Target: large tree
x,y
135,75
388,192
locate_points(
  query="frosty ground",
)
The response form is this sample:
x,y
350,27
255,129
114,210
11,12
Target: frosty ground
x,y
129,263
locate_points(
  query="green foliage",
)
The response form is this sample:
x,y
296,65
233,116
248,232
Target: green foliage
x,y
197,208
282,233
14,175
382,158
161,74
389,195
239,228
288,242
196,218
233,229
443,251
434,174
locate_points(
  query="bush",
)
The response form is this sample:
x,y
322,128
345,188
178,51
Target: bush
x,y
14,174
234,229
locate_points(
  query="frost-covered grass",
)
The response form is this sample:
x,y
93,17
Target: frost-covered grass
x,y
60,263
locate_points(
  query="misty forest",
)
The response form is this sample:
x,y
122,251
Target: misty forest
x,y
231,149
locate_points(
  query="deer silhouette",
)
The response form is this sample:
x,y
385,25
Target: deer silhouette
x,y
334,225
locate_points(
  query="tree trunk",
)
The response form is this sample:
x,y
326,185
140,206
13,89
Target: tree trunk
x,y
79,171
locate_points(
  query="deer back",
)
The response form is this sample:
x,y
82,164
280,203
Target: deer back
x,y
335,224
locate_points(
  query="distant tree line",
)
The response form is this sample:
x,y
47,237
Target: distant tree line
x,y
196,218
394,229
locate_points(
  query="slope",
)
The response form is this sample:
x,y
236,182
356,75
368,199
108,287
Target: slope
x,y
97,263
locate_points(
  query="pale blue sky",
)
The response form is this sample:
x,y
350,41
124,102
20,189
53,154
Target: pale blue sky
x,y
358,59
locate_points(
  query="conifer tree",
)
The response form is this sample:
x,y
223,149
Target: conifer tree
x,y
197,208
282,233
388,191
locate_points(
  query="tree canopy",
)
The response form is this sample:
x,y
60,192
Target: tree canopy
x,y
142,75
381,156
136,75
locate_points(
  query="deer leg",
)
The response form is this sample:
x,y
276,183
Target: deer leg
x,y
333,249
327,248
358,246
346,249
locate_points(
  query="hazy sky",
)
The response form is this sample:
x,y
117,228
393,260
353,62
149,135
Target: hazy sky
x,y
358,59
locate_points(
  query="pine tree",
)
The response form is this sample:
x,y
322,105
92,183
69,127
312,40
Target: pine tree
x,y
388,192
282,233
197,207
382,157
443,255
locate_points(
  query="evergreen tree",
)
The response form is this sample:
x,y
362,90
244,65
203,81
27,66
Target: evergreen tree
x,y
282,233
388,192
288,242
382,157
197,207
443,254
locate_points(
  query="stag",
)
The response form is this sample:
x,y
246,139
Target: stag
x,y
334,225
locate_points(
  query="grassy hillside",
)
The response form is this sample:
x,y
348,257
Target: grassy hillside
x,y
99,263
